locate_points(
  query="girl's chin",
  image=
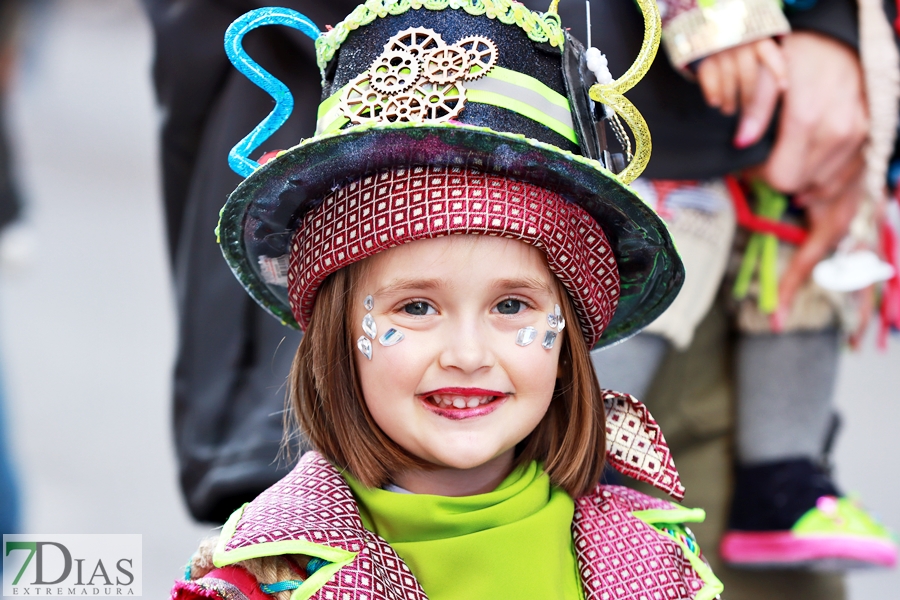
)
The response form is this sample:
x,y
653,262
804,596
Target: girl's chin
x,y
462,458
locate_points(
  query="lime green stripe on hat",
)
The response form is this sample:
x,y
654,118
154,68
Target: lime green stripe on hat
x,y
501,87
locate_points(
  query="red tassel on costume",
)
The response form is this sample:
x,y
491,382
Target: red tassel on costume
x,y
746,219
890,298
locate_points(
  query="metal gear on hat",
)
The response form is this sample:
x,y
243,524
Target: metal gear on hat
x,y
482,54
445,65
415,40
394,71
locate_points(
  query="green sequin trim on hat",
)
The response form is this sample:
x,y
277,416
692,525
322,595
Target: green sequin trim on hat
x,y
540,27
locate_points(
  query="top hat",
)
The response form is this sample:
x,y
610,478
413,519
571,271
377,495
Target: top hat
x,y
483,86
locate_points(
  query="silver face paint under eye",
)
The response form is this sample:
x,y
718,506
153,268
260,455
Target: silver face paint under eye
x,y
525,336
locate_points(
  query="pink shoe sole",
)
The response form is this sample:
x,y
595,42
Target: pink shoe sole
x,y
785,549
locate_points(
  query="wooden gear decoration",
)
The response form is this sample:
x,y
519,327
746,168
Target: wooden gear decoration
x,y
418,78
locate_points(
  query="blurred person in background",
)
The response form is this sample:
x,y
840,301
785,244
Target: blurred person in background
x,y
770,355
228,380
232,357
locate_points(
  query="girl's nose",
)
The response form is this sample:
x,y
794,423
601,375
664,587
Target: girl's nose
x,y
466,347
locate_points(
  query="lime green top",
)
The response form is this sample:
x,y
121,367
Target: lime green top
x,y
514,542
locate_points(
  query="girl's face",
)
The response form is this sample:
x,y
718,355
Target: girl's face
x,y
458,391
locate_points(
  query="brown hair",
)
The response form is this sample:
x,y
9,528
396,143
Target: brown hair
x,y
329,407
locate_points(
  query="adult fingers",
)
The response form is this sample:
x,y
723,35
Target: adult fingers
x,y
728,82
785,169
838,184
828,224
823,120
709,78
771,56
837,143
747,74
755,117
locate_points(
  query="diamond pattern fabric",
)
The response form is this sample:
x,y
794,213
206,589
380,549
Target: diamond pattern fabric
x,y
635,445
402,205
622,558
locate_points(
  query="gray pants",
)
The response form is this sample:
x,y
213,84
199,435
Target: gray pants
x,y
785,385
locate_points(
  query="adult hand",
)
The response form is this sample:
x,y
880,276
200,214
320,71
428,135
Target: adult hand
x,y
823,123
818,153
828,223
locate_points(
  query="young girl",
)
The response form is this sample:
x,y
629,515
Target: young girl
x,y
452,261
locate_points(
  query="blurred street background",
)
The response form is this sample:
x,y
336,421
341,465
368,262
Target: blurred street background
x,y
87,320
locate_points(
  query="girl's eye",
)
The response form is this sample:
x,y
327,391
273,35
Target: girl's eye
x,y
510,306
419,309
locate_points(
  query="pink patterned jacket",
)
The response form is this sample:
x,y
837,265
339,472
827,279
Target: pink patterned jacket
x,y
627,544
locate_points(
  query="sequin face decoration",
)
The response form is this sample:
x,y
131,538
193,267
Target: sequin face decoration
x,y
555,320
525,336
365,346
557,323
369,328
549,340
462,395
391,337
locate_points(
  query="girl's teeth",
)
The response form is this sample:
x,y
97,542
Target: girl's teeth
x,y
460,401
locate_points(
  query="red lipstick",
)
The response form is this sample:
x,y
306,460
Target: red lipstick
x,y
451,403
461,391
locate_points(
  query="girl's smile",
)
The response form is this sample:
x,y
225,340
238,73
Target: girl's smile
x,y
457,391
462,403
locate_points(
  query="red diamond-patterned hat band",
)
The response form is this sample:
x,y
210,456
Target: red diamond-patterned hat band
x,y
401,205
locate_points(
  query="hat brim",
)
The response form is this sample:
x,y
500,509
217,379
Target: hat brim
x,y
259,217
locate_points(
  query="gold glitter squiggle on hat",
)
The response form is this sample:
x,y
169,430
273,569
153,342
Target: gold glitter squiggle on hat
x,y
611,94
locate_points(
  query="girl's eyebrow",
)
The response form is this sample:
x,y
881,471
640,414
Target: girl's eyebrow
x,y
405,285
527,283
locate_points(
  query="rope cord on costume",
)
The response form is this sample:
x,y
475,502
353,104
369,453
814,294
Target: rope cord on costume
x,y
287,585
280,586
